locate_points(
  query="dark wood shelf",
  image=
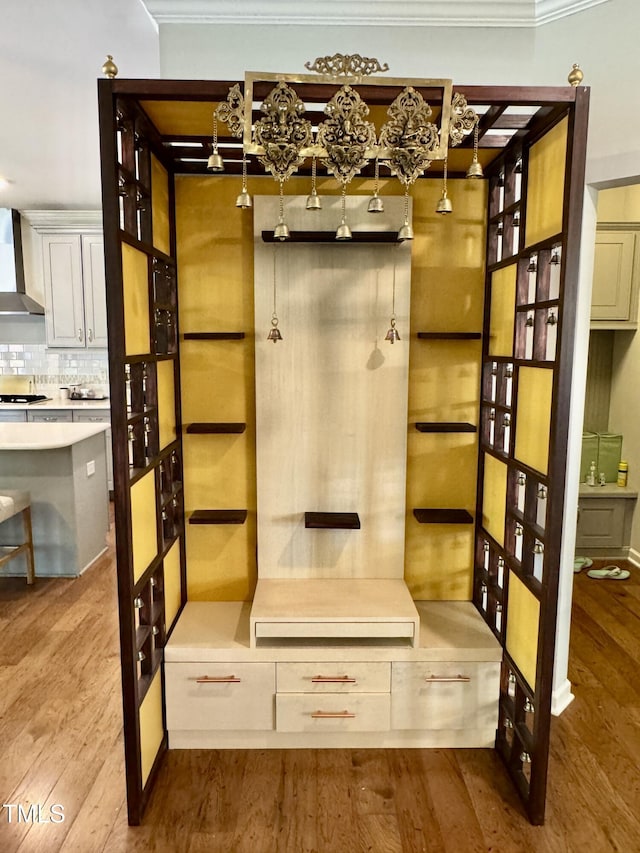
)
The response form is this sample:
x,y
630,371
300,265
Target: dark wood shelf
x,y
202,428
330,237
445,426
443,516
332,520
450,336
218,516
213,336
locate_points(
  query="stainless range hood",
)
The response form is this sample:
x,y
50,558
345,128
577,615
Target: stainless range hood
x,y
13,298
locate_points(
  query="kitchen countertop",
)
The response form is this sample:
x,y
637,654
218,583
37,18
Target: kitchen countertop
x,y
38,436
610,490
58,403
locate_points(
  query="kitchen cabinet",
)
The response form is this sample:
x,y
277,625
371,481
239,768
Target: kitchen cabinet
x,y
13,417
74,286
616,276
604,521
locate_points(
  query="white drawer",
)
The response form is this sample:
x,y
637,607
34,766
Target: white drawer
x,y
333,712
228,696
53,416
444,695
342,677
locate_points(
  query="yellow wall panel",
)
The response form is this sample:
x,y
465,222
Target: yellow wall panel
x,y
221,561
172,584
135,285
166,403
447,294
151,729
523,617
503,302
533,423
143,523
217,381
160,205
545,185
494,500
219,470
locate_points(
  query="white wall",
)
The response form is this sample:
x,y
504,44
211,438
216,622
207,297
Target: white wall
x,y
51,54
603,40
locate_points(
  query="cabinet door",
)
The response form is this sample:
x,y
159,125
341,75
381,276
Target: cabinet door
x,y
95,305
612,296
64,319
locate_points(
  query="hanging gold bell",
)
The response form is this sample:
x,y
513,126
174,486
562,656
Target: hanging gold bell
x,y
244,199
392,335
343,232
444,205
313,201
405,233
475,169
376,205
215,162
281,231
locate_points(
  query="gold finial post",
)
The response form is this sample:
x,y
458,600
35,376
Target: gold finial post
x,y
575,75
109,69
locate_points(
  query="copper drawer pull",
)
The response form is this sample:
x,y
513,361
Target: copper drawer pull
x,y
218,679
447,678
332,715
333,679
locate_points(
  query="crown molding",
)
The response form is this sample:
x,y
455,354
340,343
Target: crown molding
x,y
63,221
413,13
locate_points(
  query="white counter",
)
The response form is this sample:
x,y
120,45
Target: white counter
x,y
58,403
39,436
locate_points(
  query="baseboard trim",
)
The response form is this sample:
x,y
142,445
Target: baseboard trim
x,y
561,698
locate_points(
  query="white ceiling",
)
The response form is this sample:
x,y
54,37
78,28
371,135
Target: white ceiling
x,y
431,13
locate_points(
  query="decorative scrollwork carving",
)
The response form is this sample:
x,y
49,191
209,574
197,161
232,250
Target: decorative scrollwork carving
x,y
282,132
409,136
346,135
463,119
231,111
347,65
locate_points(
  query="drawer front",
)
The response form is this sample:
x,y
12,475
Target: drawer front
x,y
333,712
91,417
225,696
52,416
444,695
342,677
12,417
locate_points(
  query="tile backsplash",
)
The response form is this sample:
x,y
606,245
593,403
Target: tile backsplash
x,y
53,368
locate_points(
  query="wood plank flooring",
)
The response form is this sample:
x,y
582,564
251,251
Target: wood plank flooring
x,y
61,743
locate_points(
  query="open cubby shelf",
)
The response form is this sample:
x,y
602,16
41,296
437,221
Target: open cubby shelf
x,y
443,516
218,516
214,428
213,336
450,336
330,237
445,426
332,520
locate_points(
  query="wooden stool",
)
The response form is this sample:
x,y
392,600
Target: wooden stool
x,y
11,503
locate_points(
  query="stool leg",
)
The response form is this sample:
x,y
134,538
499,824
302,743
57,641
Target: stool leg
x,y
28,533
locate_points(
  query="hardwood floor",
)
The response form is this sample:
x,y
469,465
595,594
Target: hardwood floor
x,y
60,743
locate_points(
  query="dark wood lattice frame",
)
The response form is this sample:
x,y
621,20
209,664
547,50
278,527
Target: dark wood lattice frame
x,y
127,206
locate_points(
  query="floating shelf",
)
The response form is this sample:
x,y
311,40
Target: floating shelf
x,y
330,237
332,520
213,336
450,336
444,426
215,428
218,516
443,516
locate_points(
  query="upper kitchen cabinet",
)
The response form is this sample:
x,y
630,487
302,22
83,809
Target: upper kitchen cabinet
x,y
74,286
616,276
